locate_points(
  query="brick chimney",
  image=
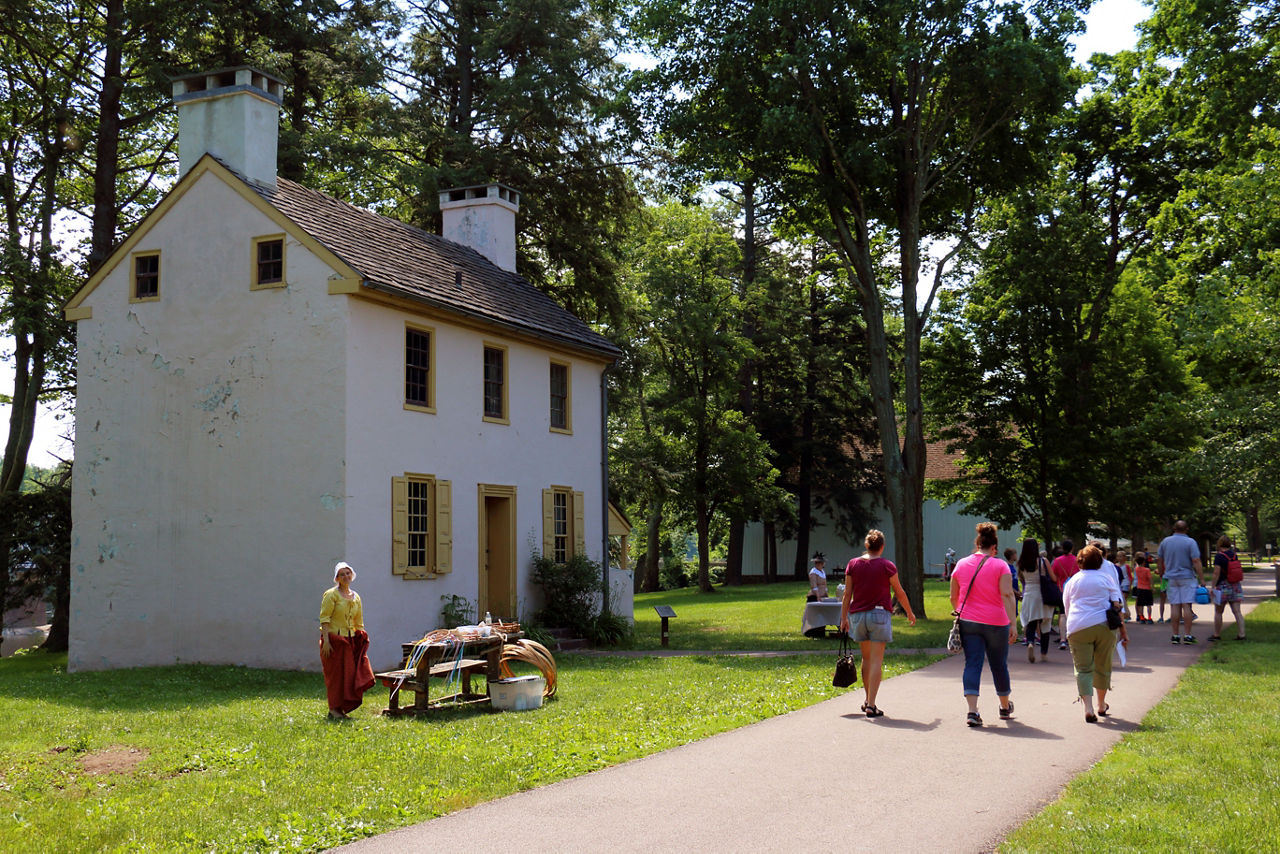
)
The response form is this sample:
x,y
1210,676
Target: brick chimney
x,y
233,114
483,218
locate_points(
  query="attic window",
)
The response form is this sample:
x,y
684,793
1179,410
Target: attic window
x,y
268,267
146,277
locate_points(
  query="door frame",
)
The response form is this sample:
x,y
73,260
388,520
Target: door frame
x,y
484,491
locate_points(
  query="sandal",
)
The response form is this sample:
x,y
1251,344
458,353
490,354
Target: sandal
x,y
872,711
1007,713
1215,637
973,719
1090,718
1103,711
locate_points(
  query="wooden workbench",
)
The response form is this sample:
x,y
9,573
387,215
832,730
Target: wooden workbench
x,y
480,656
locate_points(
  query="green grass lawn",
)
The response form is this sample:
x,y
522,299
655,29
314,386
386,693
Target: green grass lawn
x,y
244,760
1201,774
767,616
237,759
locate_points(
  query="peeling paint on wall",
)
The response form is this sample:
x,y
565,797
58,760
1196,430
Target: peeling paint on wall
x,y
214,395
331,502
109,549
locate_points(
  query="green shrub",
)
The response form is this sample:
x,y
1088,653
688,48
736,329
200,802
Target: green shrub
x,y
610,630
569,592
456,611
672,575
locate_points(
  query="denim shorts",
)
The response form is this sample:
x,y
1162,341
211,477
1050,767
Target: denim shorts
x,y
873,625
1182,591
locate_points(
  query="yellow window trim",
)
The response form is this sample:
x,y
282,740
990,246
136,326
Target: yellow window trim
x,y
506,383
133,275
566,430
440,535
430,407
576,507
254,284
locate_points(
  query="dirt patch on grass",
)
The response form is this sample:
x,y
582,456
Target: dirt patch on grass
x,y
117,759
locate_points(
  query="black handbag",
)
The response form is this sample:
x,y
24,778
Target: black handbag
x,y
846,665
1114,620
1050,592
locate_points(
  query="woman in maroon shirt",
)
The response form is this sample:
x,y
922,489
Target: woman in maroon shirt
x,y
866,608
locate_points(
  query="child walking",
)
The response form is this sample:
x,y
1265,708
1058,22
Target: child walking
x,y
1143,598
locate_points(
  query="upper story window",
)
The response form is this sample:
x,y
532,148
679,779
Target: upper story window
x,y
495,383
560,415
146,277
268,262
419,385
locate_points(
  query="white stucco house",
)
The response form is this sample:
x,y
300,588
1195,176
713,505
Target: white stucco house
x,y
272,380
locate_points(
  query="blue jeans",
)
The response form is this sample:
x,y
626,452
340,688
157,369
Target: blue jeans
x,y
980,640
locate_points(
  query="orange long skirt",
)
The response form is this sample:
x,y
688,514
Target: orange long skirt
x,y
347,672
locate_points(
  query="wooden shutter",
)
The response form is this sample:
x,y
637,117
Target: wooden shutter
x,y
579,524
444,526
548,523
399,525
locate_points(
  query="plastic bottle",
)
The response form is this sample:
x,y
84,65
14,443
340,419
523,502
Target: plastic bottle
x,y
488,620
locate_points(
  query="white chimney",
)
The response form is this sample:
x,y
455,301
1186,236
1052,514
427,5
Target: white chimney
x,y
233,114
483,218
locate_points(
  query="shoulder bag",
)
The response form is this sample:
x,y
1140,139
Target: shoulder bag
x,y
846,665
1050,592
954,643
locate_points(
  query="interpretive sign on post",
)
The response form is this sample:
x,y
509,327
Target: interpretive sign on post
x,y
666,612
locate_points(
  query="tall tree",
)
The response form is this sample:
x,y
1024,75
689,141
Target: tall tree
x,y
43,53
892,120
522,93
686,329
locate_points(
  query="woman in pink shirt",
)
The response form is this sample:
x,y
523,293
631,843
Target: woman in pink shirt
x,y
982,595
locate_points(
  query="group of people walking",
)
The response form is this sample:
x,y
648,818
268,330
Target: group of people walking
x,y
1086,591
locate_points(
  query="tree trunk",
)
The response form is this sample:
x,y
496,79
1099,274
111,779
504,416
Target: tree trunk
x,y
1253,530
702,521
652,578
746,404
770,552
106,215
733,560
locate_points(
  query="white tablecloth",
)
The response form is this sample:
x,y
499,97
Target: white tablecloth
x,y
820,614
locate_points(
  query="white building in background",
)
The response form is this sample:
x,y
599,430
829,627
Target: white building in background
x,y
945,526
272,380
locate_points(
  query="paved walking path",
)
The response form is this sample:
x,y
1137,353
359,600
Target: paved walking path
x,y
795,782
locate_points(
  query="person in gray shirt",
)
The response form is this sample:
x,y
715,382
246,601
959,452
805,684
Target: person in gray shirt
x,y
1178,562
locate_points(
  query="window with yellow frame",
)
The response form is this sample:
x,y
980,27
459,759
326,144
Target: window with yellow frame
x,y
563,523
421,526
268,263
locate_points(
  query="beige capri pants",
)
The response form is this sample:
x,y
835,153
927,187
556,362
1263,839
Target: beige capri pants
x,y
1091,652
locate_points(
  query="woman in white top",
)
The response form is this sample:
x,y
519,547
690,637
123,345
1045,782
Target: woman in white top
x,y
1036,616
1085,600
818,578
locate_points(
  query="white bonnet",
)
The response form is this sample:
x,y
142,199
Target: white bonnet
x,y
341,565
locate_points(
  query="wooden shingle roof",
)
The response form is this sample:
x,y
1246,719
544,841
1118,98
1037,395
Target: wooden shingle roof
x,y
406,261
